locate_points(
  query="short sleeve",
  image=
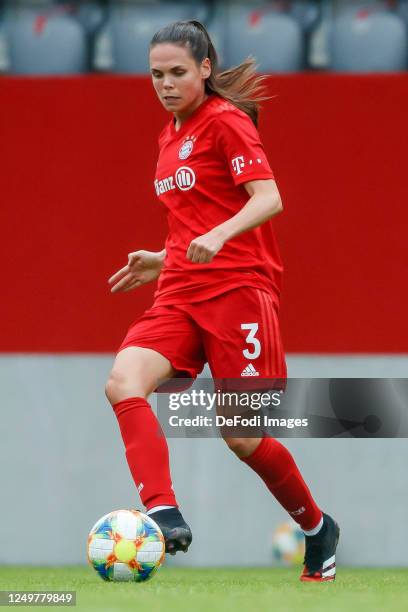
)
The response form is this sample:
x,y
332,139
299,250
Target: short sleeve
x,y
237,141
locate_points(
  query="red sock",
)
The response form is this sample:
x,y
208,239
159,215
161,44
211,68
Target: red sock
x,y
146,452
277,468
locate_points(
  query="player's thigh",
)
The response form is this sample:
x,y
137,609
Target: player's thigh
x,y
245,354
242,337
137,372
164,343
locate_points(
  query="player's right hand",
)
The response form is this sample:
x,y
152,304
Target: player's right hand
x,y
143,267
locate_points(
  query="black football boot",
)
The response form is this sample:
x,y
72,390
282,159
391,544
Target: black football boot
x,y
320,555
177,534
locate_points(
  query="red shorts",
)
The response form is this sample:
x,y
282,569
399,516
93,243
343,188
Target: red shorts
x,y
236,332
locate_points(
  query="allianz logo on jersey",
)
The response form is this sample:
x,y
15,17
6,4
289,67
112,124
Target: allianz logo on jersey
x,y
184,179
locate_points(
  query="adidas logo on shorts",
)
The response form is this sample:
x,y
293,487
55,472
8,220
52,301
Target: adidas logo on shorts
x,y
249,371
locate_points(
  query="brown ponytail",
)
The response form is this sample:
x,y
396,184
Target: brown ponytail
x,y
240,84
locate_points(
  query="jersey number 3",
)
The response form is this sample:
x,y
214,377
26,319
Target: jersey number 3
x,y
250,339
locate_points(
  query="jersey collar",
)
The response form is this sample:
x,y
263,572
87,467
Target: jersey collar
x,y
187,122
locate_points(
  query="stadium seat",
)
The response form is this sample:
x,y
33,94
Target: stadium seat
x,y
368,38
307,12
4,61
402,10
103,56
92,17
309,15
45,40
274,37
133,24
215,23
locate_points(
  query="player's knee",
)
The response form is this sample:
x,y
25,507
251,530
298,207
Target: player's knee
x,y
112,387
119,387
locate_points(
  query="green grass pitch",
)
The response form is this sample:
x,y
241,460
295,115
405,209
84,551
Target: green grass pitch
x,y
235,589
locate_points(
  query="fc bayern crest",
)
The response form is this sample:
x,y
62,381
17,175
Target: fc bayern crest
x,y
186,149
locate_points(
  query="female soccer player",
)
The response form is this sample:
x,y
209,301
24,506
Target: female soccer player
x,y
219,280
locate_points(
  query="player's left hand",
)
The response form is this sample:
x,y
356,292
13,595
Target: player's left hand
x,y
204,248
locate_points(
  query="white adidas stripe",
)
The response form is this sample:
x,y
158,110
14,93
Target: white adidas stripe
x,y
329,561
330,572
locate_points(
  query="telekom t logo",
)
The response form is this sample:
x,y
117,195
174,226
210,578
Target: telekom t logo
x,y
238,163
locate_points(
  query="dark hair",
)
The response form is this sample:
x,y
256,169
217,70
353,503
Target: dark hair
x,y
240,84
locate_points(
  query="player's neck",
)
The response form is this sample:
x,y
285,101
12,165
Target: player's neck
x,y
180,118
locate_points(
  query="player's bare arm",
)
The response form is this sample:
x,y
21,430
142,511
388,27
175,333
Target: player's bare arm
x,y
264,203
142,267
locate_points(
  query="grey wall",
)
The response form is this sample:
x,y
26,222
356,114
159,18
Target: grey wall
x,y
63,467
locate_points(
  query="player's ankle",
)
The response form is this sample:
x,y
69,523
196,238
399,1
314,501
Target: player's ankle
x,y
158,508
315,530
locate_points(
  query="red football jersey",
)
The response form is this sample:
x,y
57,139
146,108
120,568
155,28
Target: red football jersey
x,y
199,176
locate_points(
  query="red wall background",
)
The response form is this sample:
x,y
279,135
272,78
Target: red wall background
x,y
77,158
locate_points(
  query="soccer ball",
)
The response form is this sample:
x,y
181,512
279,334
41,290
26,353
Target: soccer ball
x,y
126,545
288,544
